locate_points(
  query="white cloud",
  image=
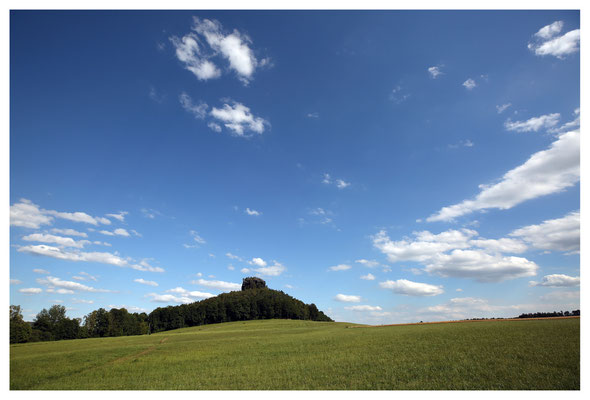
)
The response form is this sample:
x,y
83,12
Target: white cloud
x,y
314,115
469,84
557,280
196,237
327,179
461,143
15,281
368,277
468,307
273,270
252,212
70,232
82,301
41,271
339,267
368,263
545,172
346,298
534,124
457,254
54,283
144,282
220,285
245,270
340,184
547,43
481,266
258,262
238,119
190,54
28,215
434,72
234,47
86,277
31,290
548,31
79,217
409,288
503,107
103,258
233,256
120,216
363,308
199,111
184,296
561,234
214,127
502,245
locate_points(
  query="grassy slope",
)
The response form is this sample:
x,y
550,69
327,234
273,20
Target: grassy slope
x,y
284,354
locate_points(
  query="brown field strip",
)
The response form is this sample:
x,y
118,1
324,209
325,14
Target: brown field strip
x,y
470,320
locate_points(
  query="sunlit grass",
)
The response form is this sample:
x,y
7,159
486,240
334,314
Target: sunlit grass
x,y
285,354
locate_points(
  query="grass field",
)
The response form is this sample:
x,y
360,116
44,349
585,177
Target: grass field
x,y
285,354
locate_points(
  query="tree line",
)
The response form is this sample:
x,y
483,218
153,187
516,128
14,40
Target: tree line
x,y
53,324
574,313
254,301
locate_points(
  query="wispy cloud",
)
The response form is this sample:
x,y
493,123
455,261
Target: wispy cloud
x,y
144,282
340,267
534,124
252,212
503,107
545,172
435,71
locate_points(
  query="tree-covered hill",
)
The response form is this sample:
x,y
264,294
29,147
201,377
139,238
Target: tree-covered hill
x,y
254,301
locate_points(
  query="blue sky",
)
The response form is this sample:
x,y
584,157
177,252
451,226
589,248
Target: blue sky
x,y
387,166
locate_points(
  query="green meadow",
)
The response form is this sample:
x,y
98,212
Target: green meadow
x,y
289,354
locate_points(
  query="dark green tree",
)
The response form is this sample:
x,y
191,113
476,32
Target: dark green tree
x,y
20,331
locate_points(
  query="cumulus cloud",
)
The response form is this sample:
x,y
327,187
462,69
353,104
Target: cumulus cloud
x,y
533,124
238,119
220,285
209,43
469,84
189,52
363,308
561,234
368,277
259,262
28,215
546,42
272,270
234,47
346,298
54,283
557,280
459,253
214,127
31,290
549,31
339,267
144,282
545,172
409,288
99,257
180,295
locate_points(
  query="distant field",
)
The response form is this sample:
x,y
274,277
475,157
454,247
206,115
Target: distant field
x,y
286,354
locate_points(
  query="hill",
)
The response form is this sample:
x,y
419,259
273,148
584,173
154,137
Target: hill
x,y
308,355
254,301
